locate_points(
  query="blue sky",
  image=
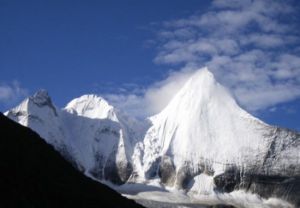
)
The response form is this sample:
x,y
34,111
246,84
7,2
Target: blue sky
x,y
138,53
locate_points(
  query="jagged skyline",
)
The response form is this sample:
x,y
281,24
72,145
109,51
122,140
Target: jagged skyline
x,y
138,54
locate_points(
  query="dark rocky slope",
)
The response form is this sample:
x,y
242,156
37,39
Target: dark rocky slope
x,y
33,174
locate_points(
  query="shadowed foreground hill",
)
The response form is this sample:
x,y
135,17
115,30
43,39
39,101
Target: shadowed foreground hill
x,y
33,174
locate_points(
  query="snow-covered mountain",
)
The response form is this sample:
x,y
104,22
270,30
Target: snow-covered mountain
x,y
201,142
204,130
33,174
88,132
204,142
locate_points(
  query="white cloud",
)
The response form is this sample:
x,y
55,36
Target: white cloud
x,y
130,103
256,99
160,93
265,40
154,98
231,4
246,45
10,93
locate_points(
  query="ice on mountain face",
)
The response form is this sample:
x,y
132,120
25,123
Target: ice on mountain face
x,y
108,135
41,115
203,133
202,142
87,131
202,123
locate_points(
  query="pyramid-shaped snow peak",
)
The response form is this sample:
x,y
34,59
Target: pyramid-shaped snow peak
x,y
204,129
33,105
39,113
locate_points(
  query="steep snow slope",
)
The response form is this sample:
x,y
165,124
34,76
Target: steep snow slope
x,y
88,131
203,141
33,174
104,139
204,124
39,113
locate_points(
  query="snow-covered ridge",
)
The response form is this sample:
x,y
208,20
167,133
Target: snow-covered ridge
x,y
88,131
91,106
201,142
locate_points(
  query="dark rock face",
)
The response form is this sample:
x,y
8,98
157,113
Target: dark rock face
x,y
97,171
33,174
117,172
124,170
184,177
228,181
283,187
166,171
283,141
41,98
153,170
185,174
109,168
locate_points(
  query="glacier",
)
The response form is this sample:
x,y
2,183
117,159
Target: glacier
x,y
201,143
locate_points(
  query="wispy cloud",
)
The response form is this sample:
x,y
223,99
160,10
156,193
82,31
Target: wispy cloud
x,y
143,102
251,46
11,92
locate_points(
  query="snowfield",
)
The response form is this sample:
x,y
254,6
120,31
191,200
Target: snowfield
x,y
153,195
